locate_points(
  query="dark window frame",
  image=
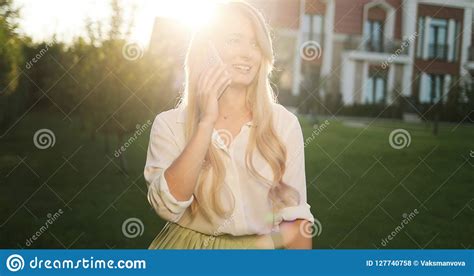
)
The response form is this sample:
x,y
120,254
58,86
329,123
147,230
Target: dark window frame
x,y
436,50
372,46
373,77
312,34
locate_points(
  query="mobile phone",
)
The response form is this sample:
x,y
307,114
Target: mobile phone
x,y
212,58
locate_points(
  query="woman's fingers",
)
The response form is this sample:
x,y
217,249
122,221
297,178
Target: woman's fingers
x,y
214,80
209,75
221,84
204,77
221,72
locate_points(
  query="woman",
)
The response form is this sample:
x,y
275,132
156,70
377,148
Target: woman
x,y
228,171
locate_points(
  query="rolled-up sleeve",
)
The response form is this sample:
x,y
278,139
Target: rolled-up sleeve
x,y
162,151
294,174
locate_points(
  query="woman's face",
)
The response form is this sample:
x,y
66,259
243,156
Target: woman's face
x,y
238,47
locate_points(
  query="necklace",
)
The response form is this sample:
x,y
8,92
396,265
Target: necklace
x,y
229,115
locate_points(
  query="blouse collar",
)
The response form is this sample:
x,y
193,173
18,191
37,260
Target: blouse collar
x,y
182,116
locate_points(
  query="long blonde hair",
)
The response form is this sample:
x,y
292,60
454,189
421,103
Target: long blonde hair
x,y
259,98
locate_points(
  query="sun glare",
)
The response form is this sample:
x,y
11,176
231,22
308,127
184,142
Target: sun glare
x,y
68,18
193,13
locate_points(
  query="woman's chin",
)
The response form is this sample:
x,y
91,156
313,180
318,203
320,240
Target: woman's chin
x,y
241,82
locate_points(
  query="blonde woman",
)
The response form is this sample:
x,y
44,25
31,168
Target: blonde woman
x,y
228,171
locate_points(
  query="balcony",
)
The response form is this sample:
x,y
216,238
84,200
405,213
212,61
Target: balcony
x,y
357,48
387,47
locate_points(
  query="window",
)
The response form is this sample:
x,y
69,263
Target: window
x,y
438,47
313,26
432,86
441,41
374,35
375,89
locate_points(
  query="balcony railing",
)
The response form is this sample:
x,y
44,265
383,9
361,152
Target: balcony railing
x,y
438,51
387,47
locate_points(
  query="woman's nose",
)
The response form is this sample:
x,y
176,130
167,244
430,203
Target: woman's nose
x,y
246,51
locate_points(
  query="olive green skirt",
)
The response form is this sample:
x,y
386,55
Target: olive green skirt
x,y
174,236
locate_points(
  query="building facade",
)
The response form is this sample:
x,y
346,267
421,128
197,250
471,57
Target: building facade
x,y
369,51
375,51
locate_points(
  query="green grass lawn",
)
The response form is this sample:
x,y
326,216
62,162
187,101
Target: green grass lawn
x,y
360,188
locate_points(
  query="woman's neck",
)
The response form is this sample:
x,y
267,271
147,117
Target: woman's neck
x,y
233,100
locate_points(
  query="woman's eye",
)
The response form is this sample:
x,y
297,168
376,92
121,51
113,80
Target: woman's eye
x,y
236,41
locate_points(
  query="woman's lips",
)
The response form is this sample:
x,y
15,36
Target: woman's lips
x,y
242,68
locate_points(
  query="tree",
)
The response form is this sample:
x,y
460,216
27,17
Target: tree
x,y
10,58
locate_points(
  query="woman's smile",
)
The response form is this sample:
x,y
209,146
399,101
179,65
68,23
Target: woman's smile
x,y
242,68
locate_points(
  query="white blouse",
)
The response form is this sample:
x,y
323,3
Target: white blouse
x,y
253,213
